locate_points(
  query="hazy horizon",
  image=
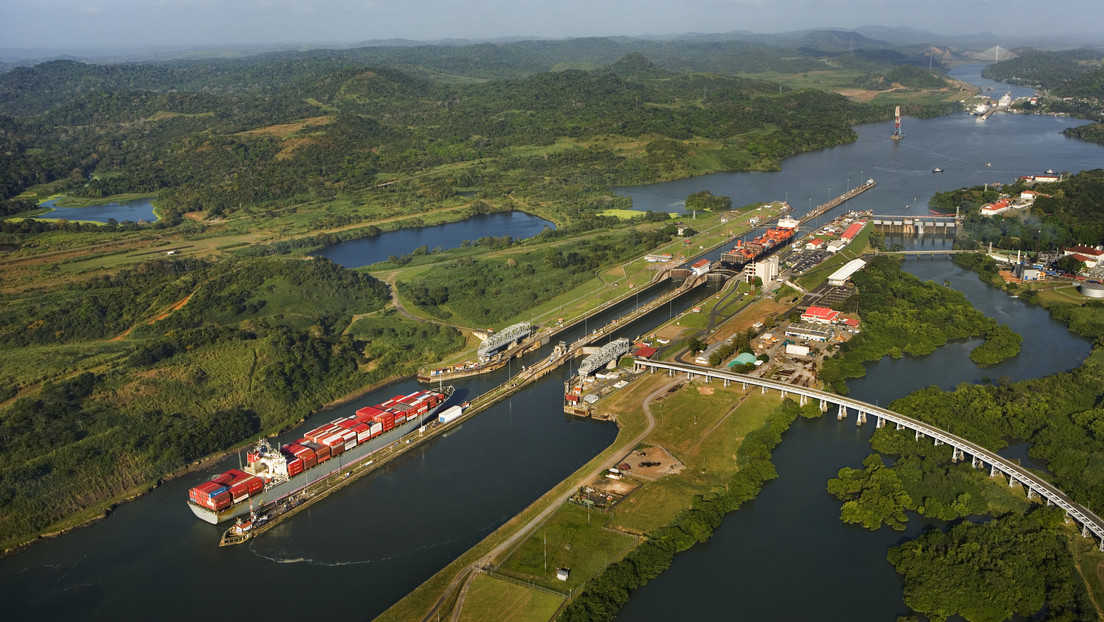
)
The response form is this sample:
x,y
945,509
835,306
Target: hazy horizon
x,y
137,24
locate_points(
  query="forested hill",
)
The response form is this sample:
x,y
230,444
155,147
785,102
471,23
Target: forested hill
x,y
1047,70
280,130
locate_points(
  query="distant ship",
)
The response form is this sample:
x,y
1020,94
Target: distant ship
x,y
937,170
897,135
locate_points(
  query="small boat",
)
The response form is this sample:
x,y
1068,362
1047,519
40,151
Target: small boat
x,y
1050,171
988,164
937,170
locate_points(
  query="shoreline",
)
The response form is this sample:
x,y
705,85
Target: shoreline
x,y
109,506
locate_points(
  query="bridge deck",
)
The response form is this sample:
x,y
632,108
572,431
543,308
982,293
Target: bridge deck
x,y
1089,521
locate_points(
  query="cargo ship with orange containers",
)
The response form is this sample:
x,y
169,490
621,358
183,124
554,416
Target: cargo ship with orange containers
x,y
272,475
772,239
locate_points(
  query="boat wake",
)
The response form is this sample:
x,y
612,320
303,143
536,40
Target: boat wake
x,y
277,559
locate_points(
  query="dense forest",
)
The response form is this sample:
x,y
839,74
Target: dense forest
x,y
1072,214
263,341
217,136
903,315
1048,70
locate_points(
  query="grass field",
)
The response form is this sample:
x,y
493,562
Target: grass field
x,y
495,599
574,538
707,447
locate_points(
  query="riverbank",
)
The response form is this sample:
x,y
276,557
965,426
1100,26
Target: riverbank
x,y
703,447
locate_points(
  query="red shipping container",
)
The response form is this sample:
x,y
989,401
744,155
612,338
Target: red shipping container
x,y
348,424
223,478
368,412
309,461
385,417
400,418
322,454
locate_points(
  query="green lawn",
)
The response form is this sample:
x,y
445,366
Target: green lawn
x,y
495,599
709,463
574,538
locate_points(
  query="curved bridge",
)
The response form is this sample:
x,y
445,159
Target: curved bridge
x,y
1090,523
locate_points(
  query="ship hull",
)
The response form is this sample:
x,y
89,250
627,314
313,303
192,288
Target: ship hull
x,y
274,493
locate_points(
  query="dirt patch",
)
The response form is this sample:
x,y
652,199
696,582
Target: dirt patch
x,y
859,95
651,463
196,216
291,145
705,390
283,129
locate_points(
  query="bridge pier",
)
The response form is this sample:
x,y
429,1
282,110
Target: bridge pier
x,y
1011,481
726,382
841,414
823,406
1085,531
900,426
802,400
957,455
917,435
861,419
743,385
881,423
993,470
938,442
974,462
764,389
1030,492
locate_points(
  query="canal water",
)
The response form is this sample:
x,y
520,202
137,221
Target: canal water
x,y
365,251
360,551
139,210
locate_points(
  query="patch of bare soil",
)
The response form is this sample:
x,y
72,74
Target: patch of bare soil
x,y
651,463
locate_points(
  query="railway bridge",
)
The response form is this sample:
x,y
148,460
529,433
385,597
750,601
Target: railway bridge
x,y
1089,523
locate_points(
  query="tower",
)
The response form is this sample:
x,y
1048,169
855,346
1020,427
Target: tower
x,y
897,135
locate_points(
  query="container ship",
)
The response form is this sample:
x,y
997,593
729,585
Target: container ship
x,y
742,254
272,475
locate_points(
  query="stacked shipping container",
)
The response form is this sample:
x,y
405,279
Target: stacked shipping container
x,y
317,446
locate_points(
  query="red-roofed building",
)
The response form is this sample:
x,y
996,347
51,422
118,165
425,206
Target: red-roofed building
x,y
814,244
700,267
992,209
819,315
853,230
850,321
1086,255
646,352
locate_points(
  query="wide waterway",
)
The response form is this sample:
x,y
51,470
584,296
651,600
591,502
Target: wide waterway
x,y
358,552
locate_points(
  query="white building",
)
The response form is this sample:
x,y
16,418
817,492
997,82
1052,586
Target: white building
x,y
839,277
700,267
767,269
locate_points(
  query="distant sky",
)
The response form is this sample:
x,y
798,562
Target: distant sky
x,y
116,24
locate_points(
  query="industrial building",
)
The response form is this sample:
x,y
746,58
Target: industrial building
x,y
839,277
820,315
809,331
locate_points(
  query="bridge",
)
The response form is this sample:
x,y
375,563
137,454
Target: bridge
x,y
1089,523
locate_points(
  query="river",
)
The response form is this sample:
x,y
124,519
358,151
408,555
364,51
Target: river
x,y
357,553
